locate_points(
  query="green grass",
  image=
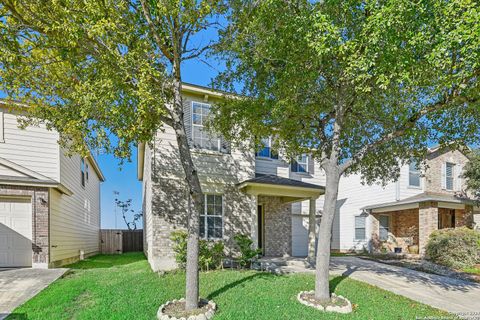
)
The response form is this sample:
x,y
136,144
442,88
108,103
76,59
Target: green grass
x,y
474,270
124,287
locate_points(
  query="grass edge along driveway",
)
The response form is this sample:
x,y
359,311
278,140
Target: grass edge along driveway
x,y
124,287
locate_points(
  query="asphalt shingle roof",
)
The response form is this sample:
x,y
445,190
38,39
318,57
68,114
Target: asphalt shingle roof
x,y
423,197
276,180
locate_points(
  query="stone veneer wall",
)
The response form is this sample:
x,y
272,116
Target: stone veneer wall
x,y
403,221
278,226
433,175
428,222
169,213
40,219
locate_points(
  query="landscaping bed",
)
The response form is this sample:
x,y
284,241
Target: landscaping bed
x,y
426,266
124,287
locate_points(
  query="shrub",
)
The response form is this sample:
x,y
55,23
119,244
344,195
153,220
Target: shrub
x,y
210,252
454,248
244,243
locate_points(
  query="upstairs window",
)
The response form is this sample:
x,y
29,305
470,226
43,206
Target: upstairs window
x,y
360,224
82,168
267,151
211,219
2,125
449,175
201,138
86,171
413,175
300,164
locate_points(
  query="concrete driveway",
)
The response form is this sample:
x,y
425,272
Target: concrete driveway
x,y
452,295
20,284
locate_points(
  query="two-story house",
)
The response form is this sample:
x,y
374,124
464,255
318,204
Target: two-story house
x,y
269,197
49,202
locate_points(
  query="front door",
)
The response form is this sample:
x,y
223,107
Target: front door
x,y
261,228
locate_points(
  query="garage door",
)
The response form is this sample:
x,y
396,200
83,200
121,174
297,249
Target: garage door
x,y
15,233
299,236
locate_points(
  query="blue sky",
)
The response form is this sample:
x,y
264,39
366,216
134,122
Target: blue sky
x,y
124,178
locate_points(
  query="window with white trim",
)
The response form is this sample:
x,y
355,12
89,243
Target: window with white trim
x,y
2,127
413,174
300,164
384,227
201,138
267,151
449,175
82,168
211,219
360,231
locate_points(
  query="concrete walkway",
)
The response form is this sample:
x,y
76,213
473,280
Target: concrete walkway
x,y
20,285
452,295
448,294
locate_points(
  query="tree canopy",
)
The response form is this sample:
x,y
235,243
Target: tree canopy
x,y
106,75
94,70
363,86
396,75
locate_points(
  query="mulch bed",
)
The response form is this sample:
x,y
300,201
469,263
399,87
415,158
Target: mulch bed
x,y
334,301
177,309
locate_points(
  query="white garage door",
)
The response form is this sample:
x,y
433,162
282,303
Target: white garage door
x,y
299,236
15,233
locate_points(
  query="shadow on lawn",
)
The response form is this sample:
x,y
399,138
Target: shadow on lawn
x,y
238,282
15,316
103,261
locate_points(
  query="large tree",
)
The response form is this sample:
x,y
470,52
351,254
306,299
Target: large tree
x,y
363,86
107,74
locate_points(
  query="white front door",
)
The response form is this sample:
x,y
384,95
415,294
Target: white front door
x,y
15,233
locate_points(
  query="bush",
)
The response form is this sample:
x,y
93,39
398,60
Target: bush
x,y
244,243
210,252
454,248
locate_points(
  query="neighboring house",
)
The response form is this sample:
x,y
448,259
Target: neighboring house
x,y
49,202
270,198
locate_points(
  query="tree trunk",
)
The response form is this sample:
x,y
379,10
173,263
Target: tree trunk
x,y
322,290
311,231
196,196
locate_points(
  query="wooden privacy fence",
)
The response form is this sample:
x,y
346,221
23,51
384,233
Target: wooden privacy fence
x,y
115,241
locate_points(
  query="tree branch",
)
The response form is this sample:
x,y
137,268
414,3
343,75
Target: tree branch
x,y
409,124
158,40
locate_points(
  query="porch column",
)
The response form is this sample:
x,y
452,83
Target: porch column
x,y
312,230
427,223
374,245
464,217
254,225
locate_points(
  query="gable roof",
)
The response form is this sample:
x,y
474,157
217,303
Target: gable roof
x,y
18,105
281,181
423,197
29,177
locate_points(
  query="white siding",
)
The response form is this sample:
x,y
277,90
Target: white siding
x,y
214,168
75,219
147,202
476,220
4,171
35,148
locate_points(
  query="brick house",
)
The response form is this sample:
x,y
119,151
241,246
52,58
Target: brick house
x,y
271,198
440,203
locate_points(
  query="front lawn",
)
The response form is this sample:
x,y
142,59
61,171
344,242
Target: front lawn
x,y
124,287
473,270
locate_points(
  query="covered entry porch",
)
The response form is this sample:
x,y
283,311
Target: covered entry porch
x,y
271,228
407,224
